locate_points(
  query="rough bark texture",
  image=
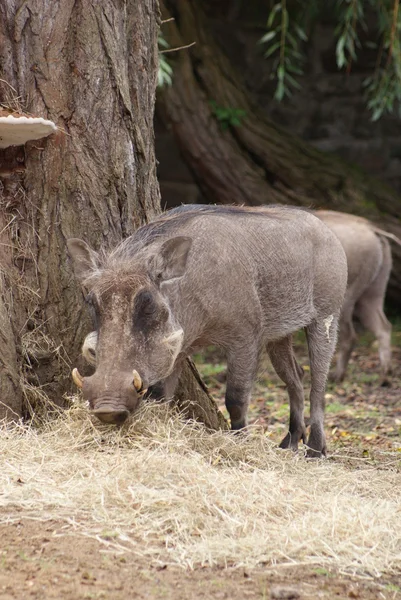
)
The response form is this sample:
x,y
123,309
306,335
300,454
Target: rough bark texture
x,y
91,68
69,62
10,390
193,399
256,162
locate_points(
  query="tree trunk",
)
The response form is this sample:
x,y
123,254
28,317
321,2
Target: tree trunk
x,y
193,399
256,162
91,68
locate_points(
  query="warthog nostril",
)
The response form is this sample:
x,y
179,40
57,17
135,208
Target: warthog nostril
x,y
114,417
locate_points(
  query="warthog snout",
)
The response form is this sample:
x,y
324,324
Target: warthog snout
x,y
109,416
110,403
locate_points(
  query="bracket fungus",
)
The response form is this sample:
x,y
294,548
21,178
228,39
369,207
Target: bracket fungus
x,y
16,129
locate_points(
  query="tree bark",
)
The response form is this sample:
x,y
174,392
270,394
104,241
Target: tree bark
x,y
193,399
256,162
91,68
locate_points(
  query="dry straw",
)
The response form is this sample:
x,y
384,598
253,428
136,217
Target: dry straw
x,y
175,494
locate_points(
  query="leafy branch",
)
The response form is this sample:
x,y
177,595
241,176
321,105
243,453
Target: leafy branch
x,y
283,41
288,31
383,88
350,15
165,72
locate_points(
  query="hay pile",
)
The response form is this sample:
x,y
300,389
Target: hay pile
x,y
175,494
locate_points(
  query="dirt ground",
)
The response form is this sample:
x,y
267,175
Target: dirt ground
x,y
362,414
47,560
41,560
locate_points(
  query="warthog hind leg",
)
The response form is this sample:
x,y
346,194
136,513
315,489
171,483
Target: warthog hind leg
x,y
369,310
321,344
281,354
346,338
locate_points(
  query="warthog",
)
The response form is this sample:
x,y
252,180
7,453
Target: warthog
x,y
235,277
369,265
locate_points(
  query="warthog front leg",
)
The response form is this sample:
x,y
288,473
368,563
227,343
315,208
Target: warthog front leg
x,y
242,364
281,354
322,338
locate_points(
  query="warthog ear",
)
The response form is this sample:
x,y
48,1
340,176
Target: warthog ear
x,y
84,259
171,260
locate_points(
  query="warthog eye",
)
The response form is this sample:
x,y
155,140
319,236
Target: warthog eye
x,y
145,304
147,311
93,308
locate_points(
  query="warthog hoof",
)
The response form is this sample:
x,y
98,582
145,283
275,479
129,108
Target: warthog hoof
x,y
311,453
385,381
316,443
292,440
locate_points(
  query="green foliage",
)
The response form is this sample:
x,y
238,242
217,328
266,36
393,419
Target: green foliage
x,y
288,32
383,89
165,72
392,587
350,15
227,116
322,571
283,43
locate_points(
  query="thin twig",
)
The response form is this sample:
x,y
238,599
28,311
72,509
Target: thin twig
x,y
9,85
176,49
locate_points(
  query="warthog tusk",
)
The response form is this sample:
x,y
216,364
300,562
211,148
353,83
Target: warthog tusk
x,y
78,379
138,383
137,380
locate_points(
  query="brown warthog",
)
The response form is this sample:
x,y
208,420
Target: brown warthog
x,y
369,265
235,277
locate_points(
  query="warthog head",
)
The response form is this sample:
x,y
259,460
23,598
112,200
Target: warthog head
x,y
137,338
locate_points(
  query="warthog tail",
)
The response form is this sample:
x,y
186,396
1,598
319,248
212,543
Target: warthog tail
x,y
386,234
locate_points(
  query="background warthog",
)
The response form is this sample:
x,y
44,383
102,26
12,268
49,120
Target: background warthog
x,y
235,277
369,265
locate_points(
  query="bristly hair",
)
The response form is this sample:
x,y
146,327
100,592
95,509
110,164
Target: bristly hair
x,y
122,274
168,223
176,217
